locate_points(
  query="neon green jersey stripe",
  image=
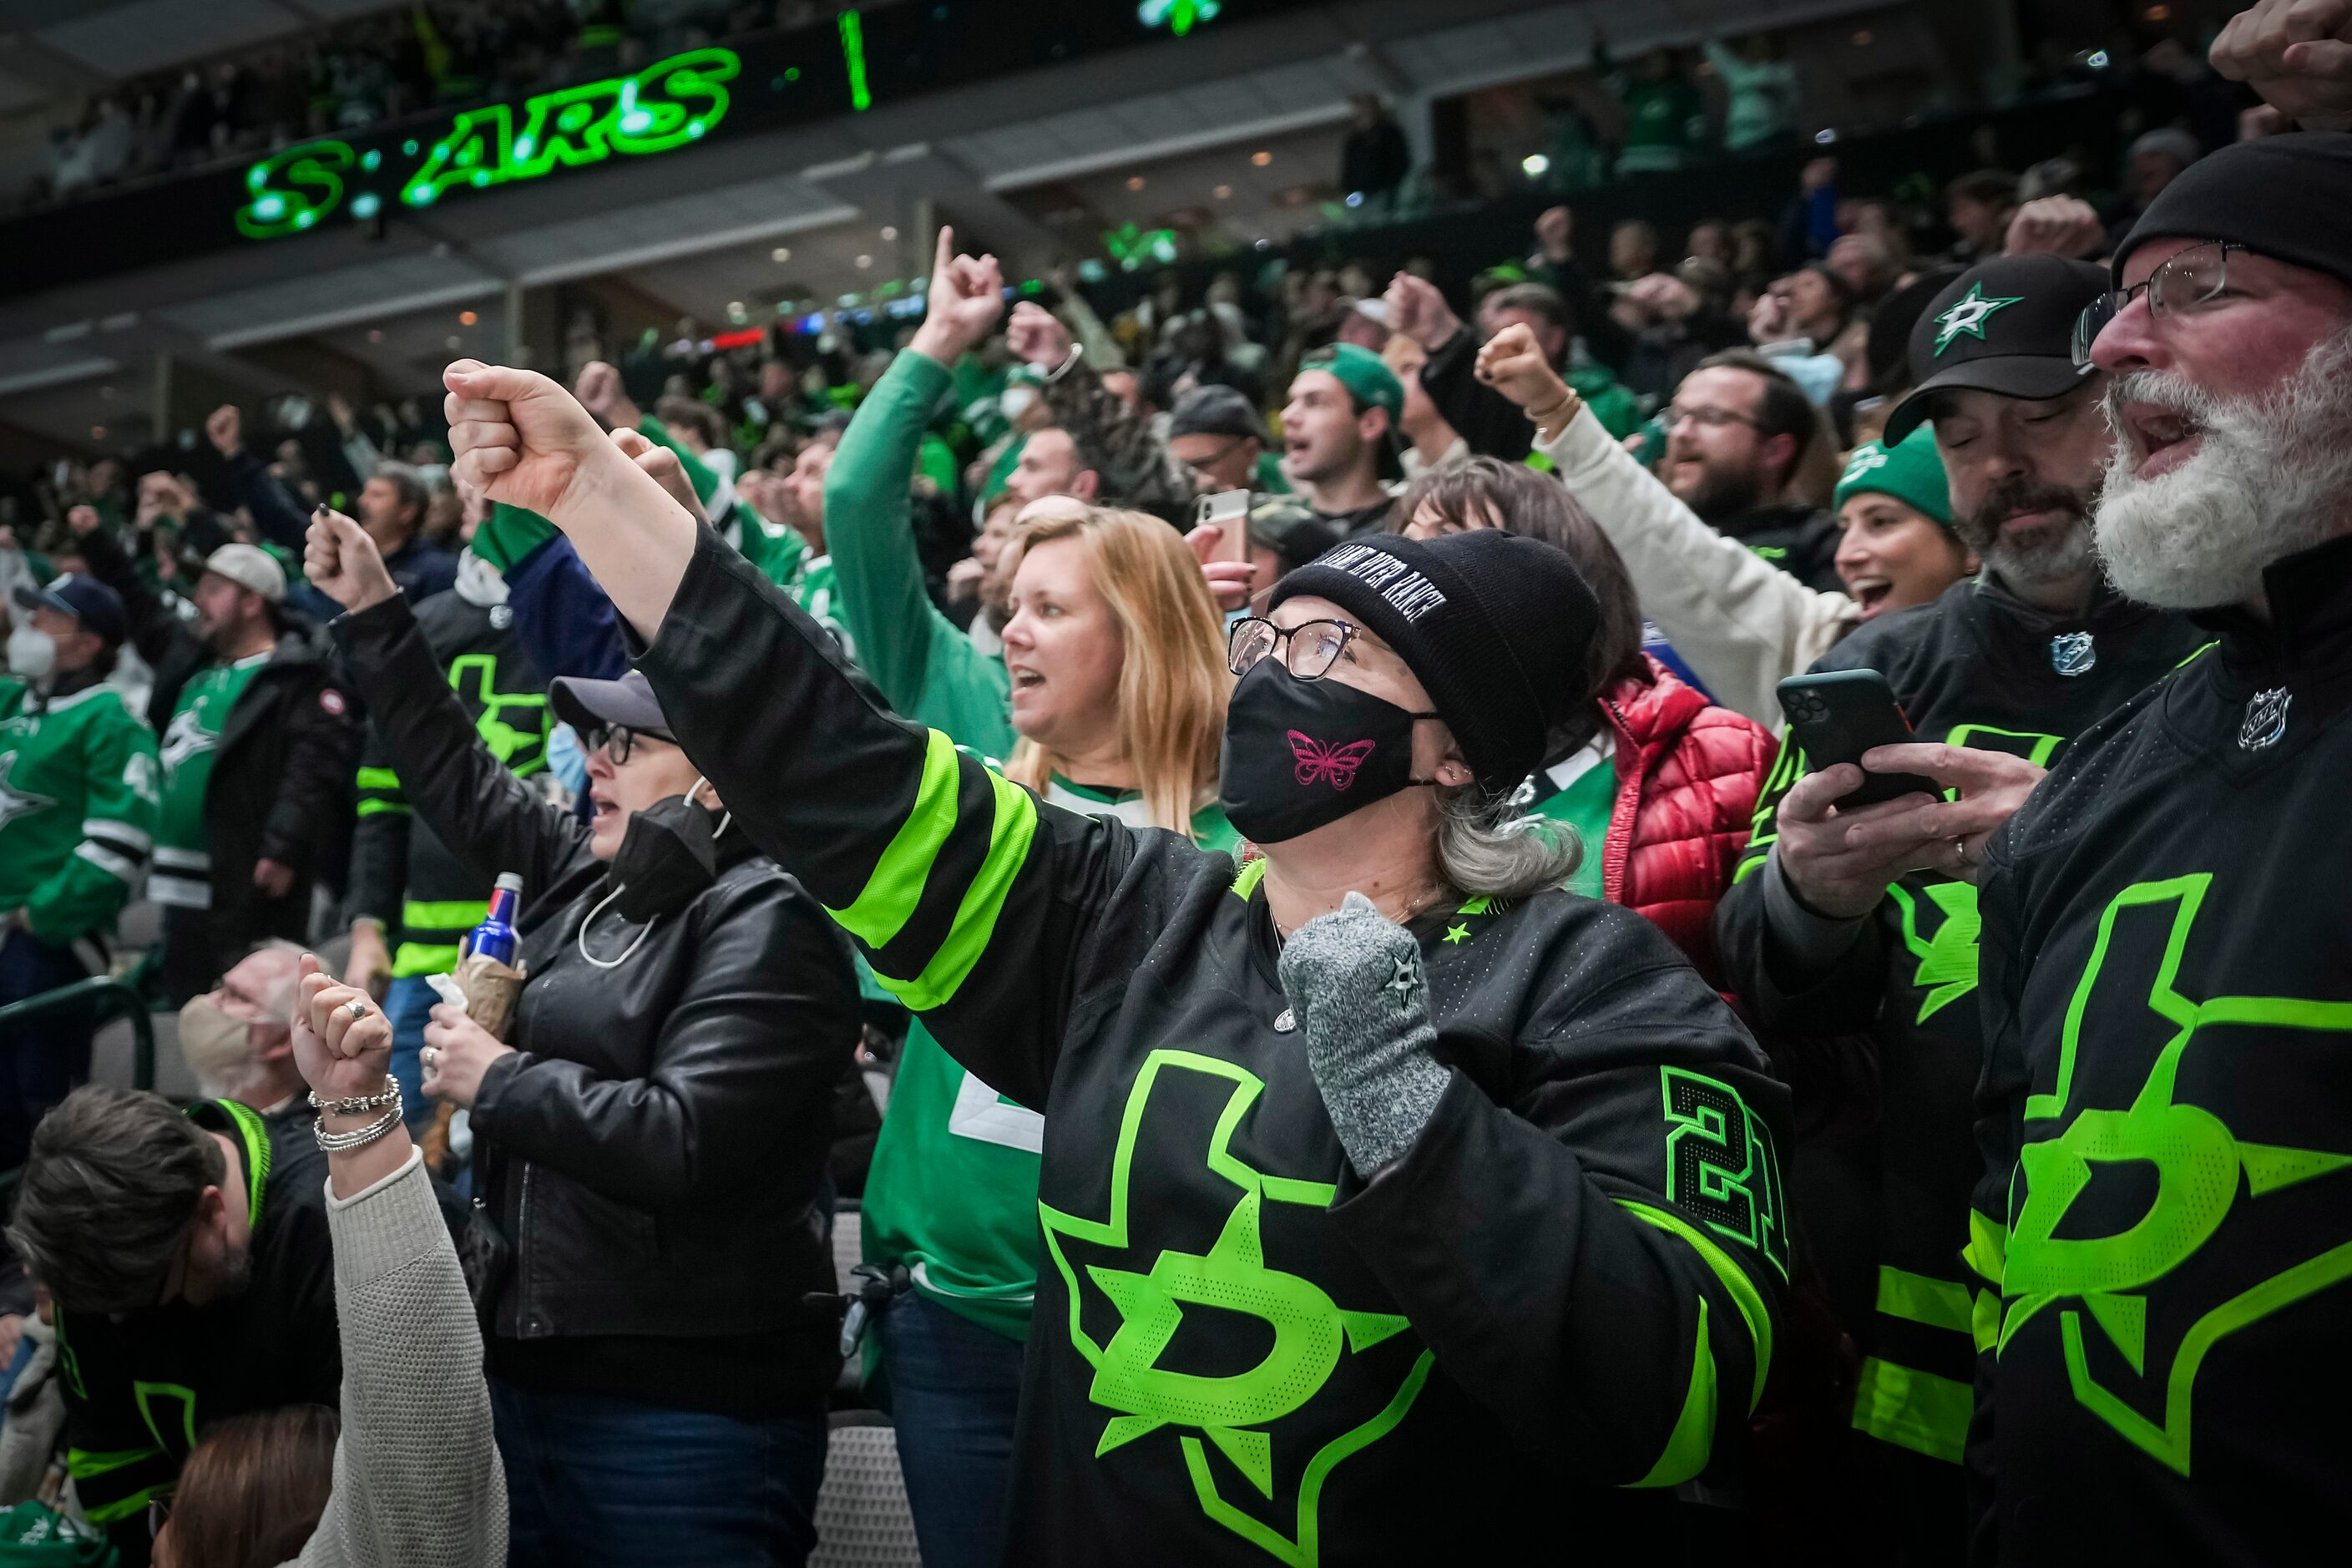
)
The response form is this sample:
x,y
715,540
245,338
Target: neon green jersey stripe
x,y
880,911
1744,1294
448,914
1916,1298
415,958
1913,1409
81,1464
373,807
1245,882
1691,1441
106,1514
1009,838
378,778
1988,1249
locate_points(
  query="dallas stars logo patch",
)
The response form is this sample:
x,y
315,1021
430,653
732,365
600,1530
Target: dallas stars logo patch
x,y
1967,315
1317,1382
16,803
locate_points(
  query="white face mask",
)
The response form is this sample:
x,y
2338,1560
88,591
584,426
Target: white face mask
x,y
32,652
1017,400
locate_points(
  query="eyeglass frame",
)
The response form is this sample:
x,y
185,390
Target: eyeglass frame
x,y
1349,633
2093,318
599,738
1673,414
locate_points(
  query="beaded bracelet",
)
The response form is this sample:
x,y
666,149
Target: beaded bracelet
x,y
360,1104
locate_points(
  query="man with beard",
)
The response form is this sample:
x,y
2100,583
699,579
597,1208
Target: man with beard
x,y
1741,438
2166,1208
188,1259
1851,932
259,743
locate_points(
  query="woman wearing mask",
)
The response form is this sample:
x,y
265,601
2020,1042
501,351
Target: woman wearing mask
x,y
1460,1191
651,1138
1108,696
408,1473
1658,783
1742,624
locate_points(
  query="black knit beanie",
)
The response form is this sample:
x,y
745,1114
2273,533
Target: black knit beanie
x,y
1499,628
2288,197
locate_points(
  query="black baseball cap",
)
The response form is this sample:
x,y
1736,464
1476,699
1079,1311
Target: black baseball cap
x,y
2004,326
1215,410
591,705
98,607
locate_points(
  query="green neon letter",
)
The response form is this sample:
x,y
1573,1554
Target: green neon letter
x,y
293,190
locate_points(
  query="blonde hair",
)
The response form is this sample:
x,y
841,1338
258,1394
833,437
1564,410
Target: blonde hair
x,y
1172,679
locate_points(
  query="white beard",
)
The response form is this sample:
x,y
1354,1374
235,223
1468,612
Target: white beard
x,y
2272,475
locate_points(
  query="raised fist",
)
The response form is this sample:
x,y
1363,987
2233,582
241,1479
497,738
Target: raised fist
x,y
225,427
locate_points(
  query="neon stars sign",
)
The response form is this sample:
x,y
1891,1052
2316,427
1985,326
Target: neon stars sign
x,y
669,104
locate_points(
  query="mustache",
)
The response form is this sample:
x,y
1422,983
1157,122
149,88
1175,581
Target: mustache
x,y
2013,496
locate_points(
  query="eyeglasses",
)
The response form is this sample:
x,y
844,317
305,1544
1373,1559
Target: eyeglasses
x,y
1201,469
1310,649
1674,413
2197,278
617,741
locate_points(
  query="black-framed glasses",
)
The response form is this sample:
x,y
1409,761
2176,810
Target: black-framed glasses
x,y
1308,649
617,741
1201,468
2197,277
1673,414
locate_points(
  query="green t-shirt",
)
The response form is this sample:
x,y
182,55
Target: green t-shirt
x,y
1581,793
182,869
952,1191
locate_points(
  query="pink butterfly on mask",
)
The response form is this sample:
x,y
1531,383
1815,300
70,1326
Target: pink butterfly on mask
x,y
1338,764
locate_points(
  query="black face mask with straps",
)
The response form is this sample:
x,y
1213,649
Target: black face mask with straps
x,y
668,857
1301,754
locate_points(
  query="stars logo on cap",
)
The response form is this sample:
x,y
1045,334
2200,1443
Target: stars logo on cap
x,y
1967,315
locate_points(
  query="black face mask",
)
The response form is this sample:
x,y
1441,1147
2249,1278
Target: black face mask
x,y
1300,754
668,856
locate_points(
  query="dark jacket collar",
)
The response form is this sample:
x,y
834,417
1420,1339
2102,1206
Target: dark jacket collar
x,y
2310,595
2106,611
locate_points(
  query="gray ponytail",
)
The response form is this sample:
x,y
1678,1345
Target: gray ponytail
x,y
1488,849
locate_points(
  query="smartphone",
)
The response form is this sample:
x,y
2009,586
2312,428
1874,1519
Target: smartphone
x,y
1838,716
1227,511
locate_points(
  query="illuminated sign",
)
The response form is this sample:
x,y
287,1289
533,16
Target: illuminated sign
x,y
1179,17
669,104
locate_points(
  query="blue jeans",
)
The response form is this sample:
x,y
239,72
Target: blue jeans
x,y
954,1389
594,1481
408,1004
40,1061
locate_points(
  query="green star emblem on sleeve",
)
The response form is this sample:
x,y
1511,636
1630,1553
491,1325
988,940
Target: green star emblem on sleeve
x,y
1311,1334
1968,314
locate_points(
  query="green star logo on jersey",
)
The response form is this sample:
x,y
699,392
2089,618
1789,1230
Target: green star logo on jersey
x,y
16,803
1309,1335
1967,315
2203,1171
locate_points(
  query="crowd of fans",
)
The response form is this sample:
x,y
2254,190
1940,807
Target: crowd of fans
x,y
1392,1019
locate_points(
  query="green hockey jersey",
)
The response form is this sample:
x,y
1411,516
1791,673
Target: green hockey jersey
x,y
78,783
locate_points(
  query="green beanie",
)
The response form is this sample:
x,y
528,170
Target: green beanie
x,y
1364,373
1911,470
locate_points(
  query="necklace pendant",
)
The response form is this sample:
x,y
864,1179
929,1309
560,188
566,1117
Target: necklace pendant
x,y
2265,719
2074,653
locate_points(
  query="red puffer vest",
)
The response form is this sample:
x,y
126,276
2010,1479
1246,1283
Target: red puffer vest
x,y
1687,776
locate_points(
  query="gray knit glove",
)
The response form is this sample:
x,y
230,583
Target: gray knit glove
x,y
1355,983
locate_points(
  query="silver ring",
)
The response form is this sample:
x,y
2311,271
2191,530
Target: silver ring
x,y
356,1008
431,1056
1960,848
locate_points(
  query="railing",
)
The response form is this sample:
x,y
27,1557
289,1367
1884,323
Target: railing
x,y
108,997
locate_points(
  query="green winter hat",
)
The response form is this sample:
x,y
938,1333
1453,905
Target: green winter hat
x,y
1364,373
38,1537
1911,470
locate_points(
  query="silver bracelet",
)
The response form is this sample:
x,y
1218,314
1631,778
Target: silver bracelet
x,y
358,1138
359,1105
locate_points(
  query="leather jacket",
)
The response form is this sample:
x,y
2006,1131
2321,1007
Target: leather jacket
x,y
655,1146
